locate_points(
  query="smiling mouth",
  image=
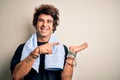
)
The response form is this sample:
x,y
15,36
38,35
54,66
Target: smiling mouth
x,y
44,30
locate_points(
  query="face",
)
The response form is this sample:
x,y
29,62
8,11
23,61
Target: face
x,y
44,26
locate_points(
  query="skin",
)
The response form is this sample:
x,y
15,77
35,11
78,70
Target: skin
x,y
68,69
44,30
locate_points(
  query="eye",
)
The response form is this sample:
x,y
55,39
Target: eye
x,y
50,21
40,20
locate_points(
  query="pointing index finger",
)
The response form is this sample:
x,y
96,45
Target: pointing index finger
x,y
55,43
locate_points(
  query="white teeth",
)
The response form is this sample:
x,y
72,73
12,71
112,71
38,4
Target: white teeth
x,y
44,30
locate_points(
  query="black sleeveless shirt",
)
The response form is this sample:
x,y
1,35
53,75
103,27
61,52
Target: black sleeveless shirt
x,y
33,75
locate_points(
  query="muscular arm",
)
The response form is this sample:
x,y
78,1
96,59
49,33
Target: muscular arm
x,y
69,65
23,67
68,70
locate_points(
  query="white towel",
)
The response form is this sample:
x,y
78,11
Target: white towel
x,y
54,61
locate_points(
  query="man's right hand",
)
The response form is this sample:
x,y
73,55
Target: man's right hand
x,y
45,48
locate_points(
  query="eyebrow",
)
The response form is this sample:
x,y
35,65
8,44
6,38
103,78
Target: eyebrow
x,y
43,19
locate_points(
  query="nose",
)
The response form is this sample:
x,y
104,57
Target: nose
x,y
45,24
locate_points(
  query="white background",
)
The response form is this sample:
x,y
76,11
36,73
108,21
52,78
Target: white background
x,y
96,22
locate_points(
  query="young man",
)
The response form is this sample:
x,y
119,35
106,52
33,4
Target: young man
x,y
43,57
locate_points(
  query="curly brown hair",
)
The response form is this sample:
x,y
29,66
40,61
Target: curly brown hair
x,y
48,10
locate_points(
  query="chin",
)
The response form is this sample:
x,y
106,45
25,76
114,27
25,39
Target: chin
x,y
45,35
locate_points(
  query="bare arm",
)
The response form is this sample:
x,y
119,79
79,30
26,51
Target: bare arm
x,y
68,70
69,65
23,67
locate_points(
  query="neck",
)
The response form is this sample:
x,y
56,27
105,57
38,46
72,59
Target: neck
x,y
42,39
